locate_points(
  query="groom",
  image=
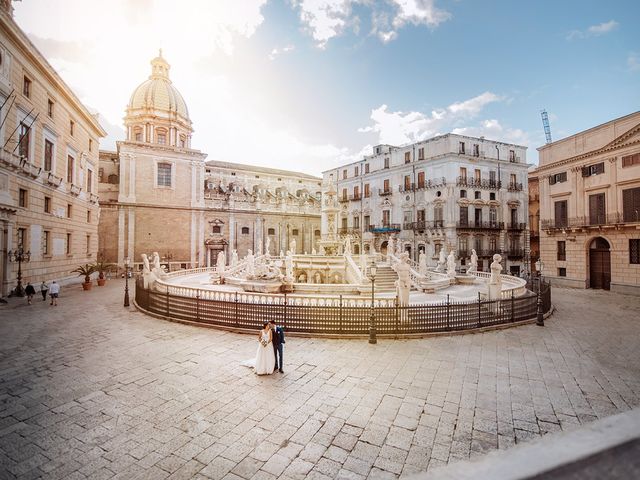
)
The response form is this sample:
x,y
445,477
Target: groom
x,y
277,336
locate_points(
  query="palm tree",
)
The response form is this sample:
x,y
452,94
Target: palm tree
x,y
101,266
85,271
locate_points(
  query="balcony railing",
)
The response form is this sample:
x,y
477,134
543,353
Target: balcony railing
x,y
481,225
383,193
423,225
349,231
355,197
407,187
515,187
515,253
478,183
516,226
343,199
385,227
594,221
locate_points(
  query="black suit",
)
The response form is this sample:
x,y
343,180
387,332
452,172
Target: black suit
x,y
277,339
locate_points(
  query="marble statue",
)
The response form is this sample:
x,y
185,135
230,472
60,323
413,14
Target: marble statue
x,y
293,246
317,278
451,264
234,258
474,262
422,262
398,248
390,246
266,246
251,264
148,277
442,259
302,278
313,251
259,247
157,268
496,268
281,254
347,245
288,262
221,263
403,284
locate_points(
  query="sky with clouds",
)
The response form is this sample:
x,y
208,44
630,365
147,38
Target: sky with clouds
x,y
310,84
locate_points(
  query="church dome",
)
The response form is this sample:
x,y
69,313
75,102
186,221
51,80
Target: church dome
x,y
158,94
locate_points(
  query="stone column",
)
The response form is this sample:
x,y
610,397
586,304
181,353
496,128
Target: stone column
x,y
120,236
194,237
232,236
131,234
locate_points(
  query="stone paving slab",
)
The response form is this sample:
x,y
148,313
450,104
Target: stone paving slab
x,y
90,389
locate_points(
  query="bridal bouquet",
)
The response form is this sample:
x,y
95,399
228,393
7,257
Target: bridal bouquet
x,y
264,343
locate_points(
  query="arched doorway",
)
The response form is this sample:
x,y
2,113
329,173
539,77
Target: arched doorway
x,y
599,264
383,247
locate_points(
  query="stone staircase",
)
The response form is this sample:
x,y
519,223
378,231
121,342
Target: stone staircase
x,y
385,278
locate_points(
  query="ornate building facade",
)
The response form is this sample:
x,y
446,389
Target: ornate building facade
x,y
590,207
452,190
48,166
158,194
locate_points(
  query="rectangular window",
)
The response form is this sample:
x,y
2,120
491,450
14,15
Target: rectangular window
x,y
367,191
356,223
50,108
562,250
631,205
356,192
463,245
420,179
557,178
386,162
464,215
492,195
513,179
478,216
46,236
597,209
463,194
88,244
90,145
164,174
245,230
69,210
492,177
89,180
24,140
68,249
407,182
271,231
477,175
407,157
634,251
295,232
386,217
22,198
512,155
72,127
560,208
595,169
70,168
22,237
477,195
562,272
461,147
366,168
421,215
344,194
48,155
138,136
630,160
493,215
26,87
437,215
463,173
344,174
356,171
47,204
88,216
514,216
421,153
386,185
367,222
162,139
493,245
476,150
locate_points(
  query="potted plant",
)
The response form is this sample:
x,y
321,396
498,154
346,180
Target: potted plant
x,y
85,271
101,267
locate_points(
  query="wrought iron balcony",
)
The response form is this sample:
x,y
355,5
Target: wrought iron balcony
x,y
478,183
515,187
349,231
343,199
516,226
423,225
355,197
383,193
481,225
515,253
407,187
593,221
386,227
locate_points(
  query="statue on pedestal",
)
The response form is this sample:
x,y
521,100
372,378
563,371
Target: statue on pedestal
x,y
313,251
234,258
293,246
288,263
422,262
251,264
442,260
347,245
496,269
266,246
403,284
148,277
390,246
451,264
157,268
398,248
474,262
221,263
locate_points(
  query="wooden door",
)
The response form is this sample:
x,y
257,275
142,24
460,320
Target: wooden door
x,y
599,268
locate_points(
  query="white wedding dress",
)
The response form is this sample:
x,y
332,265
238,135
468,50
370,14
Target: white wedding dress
x,y
265,358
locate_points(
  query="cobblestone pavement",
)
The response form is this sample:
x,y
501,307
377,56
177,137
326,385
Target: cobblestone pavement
x,y
89,389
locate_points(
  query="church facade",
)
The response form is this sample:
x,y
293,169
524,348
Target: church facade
x,y
159,194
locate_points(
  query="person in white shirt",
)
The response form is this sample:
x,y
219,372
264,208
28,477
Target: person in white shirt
x,y
54,291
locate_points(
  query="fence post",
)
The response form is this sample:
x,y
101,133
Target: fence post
x,y
404,313
513,314
479,312
397,310
448,325
236,307
167,304
340,314
198,306
285,310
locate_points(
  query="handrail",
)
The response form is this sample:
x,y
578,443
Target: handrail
x,y
353,272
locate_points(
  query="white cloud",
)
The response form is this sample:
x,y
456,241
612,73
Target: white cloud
x,y
593,30
326,19
279,51
633,61
399,128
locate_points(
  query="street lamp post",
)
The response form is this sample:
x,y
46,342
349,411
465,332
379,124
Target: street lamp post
x,y
19,256
126,281
372,319
539,315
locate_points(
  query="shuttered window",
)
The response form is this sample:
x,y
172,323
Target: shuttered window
x,y
631,205
629,160
464,215
562,250
561,213
558,178
634,251
596,209
595,169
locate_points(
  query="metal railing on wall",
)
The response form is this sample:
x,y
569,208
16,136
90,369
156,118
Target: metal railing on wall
x,y
343,317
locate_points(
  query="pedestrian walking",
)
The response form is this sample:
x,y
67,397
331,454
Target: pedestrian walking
x,y
30,291
54,291
44,288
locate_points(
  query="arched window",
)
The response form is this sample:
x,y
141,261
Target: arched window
x,y
161,136
316,233
137,134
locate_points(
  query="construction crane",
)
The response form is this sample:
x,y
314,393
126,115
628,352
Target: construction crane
x,y
545,124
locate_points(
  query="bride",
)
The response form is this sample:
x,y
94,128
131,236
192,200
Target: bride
x,y
265,358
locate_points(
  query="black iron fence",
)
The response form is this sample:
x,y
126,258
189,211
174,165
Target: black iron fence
x,y
343,318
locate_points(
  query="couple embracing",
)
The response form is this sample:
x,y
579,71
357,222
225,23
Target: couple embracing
x,y
270,349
